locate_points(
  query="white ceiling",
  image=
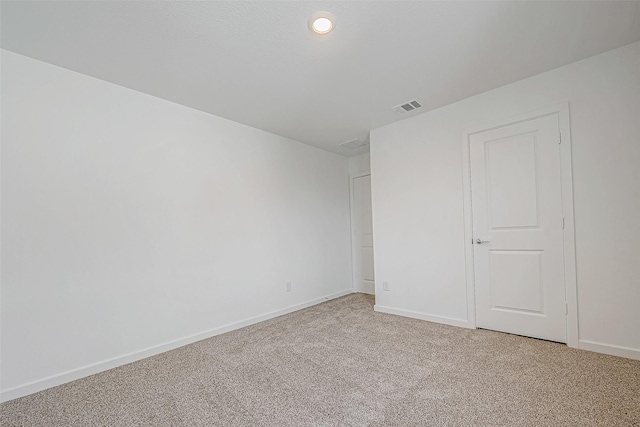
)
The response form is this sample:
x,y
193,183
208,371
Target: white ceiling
x,y
257,63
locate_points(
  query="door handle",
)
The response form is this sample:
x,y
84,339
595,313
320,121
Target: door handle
x,y
480,241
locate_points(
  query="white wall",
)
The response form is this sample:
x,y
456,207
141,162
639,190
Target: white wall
x,y
359,164
418,219
129,222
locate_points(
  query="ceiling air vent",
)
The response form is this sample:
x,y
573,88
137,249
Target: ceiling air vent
x,y
355,143
407,106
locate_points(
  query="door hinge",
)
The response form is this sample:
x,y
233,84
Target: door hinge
x,y
560,139
566,308
563,223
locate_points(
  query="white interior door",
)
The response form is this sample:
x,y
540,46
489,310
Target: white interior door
x,y
363,235
517,229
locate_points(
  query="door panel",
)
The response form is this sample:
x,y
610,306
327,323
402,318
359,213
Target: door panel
x,y
512,184
517,216
367,264
363,235
508,267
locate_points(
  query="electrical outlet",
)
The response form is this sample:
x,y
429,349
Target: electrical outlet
x,y
288,286
385,286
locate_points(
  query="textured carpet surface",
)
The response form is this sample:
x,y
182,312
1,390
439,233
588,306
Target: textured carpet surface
x,y
341,364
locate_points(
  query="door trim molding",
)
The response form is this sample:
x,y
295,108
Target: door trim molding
x,y
571,293
354,267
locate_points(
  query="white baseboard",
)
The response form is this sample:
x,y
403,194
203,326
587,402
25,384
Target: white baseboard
x,y
94,368
613,350
423,316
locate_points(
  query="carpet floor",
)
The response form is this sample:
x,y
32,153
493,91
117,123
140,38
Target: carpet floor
x,y
342,364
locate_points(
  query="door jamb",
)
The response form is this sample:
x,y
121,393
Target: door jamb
x,y
570,280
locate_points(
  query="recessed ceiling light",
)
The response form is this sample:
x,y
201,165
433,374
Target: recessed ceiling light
x,y
321,22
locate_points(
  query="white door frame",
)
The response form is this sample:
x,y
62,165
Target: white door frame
x,y
354,267
562,110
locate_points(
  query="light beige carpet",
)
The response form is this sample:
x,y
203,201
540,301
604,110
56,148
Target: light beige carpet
x,y
341,364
